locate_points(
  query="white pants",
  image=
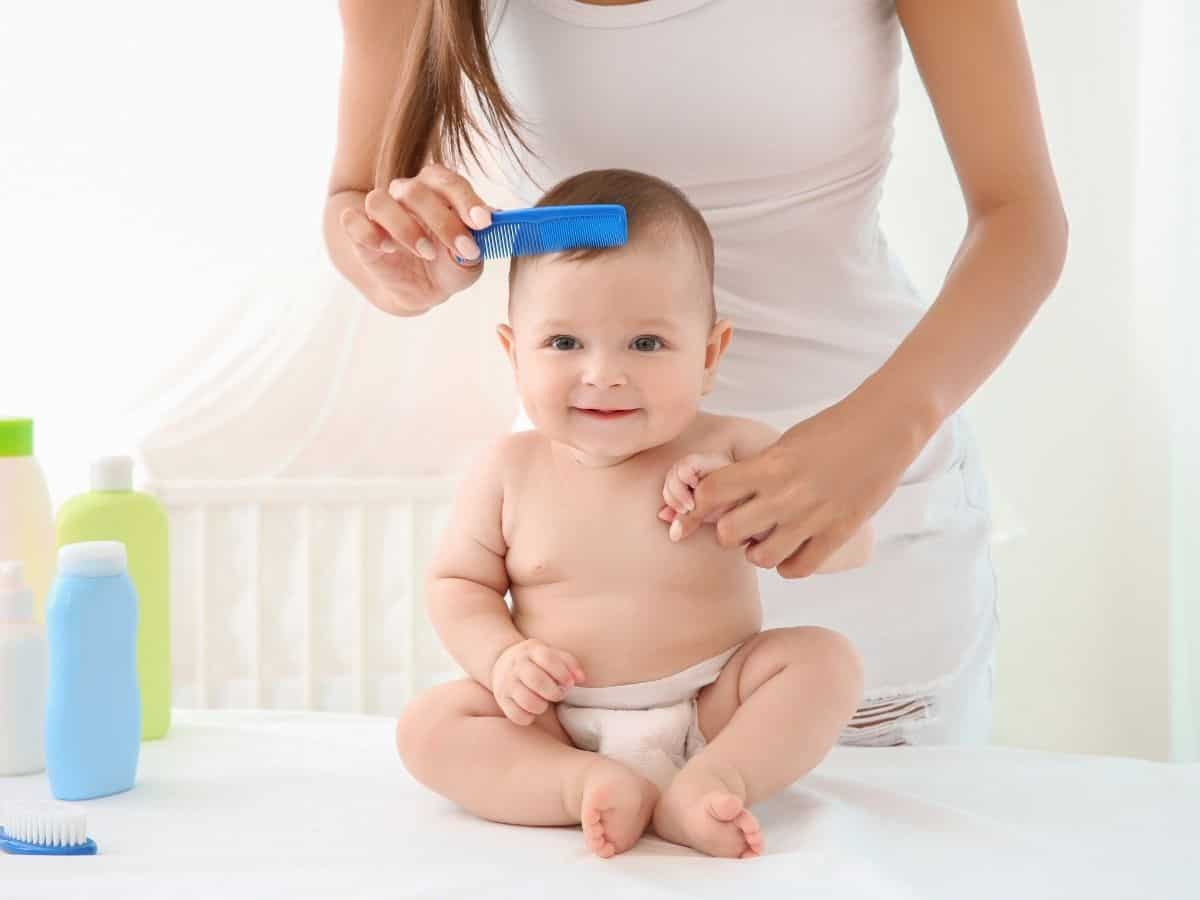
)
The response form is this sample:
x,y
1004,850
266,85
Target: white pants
x,y
922,612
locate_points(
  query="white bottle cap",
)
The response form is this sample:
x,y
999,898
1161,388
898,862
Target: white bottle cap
x,y
16,600
112,473
92,558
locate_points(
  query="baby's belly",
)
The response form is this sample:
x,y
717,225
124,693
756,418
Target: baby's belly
x,y
623,636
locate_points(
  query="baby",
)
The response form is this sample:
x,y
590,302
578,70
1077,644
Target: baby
x,y
631,686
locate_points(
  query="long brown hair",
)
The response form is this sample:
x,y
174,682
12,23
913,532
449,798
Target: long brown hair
x,y
430,119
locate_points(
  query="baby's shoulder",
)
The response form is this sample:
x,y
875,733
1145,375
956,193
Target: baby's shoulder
x,y
743,437
512,455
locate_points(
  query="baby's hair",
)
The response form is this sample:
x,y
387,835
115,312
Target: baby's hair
x,y
655,211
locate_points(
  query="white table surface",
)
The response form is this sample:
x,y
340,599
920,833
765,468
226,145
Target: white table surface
x,y
258,804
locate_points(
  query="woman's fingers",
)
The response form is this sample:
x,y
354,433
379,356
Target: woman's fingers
x,y
365,233
777,546
439,219
448,207
398,224
808,558
458,193
746,521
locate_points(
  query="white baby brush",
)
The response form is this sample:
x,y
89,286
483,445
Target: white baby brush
x,y
46,830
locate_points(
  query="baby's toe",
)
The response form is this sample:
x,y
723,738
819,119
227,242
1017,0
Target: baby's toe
x,y
723,805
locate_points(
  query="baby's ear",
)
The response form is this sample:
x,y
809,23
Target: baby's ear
x,y
505,333
718,341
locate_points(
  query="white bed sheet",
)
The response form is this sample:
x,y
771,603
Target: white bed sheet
x,y
258,804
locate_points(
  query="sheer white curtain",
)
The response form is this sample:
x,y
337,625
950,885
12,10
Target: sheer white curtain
x,y
163,172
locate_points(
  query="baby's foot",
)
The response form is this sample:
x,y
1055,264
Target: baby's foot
x,y
617,804
698,810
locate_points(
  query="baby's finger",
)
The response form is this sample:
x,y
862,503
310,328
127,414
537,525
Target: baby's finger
x,y
552,665
689,471
678,495
514,713
667,514
540,682
527,700
573,663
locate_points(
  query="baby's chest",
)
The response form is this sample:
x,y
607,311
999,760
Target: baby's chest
x,y
611,536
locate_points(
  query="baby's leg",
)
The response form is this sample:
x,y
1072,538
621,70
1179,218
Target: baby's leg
x,y
775,711
455,740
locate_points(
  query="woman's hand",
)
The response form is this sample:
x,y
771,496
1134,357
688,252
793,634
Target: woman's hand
x,y
415,237
810,493
529,676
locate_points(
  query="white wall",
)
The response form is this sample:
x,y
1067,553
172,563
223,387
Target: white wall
x,y
1074,424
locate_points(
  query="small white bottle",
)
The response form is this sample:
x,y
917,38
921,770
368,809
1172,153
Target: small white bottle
x,y
23,677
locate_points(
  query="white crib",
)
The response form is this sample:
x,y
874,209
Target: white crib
x,y
303,594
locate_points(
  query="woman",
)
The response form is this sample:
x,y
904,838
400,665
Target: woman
x,y
776,119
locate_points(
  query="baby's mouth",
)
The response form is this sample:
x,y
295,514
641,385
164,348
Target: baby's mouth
x,y
604,414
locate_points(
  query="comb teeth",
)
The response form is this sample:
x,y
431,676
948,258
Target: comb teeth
x,y
550,235
47,827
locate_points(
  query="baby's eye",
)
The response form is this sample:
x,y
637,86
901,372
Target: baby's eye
x,y
563,342
648,342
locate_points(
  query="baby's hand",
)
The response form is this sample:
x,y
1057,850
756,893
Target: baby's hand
x,y
529,676
682,480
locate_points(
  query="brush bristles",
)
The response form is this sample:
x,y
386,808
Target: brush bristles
x,y
529,238
47,828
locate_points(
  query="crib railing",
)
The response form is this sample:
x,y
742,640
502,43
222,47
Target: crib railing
x,y
303,594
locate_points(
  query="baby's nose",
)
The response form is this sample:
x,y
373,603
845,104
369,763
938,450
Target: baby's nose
x,y
602,372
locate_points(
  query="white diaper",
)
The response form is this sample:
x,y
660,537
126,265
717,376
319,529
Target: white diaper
x,y
650,726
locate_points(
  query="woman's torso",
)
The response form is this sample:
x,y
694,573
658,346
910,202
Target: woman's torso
x,y
775,118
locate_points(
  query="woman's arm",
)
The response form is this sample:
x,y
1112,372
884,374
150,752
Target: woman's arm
x,y
397,241
974,63
375,35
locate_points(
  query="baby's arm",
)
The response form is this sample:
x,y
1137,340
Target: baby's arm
x,y
467,578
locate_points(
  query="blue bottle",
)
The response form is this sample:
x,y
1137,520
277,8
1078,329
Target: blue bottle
x,y
93,710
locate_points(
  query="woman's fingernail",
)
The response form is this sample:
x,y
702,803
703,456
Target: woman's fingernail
x,y
481,217
676,530
387,245
467,248
425,249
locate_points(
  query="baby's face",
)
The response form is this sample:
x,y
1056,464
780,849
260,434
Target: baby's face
x,y
613,354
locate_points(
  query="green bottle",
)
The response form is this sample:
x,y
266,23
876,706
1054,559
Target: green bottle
x,y
113,511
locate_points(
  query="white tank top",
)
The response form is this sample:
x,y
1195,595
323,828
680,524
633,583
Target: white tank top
x,y
775,118
777,125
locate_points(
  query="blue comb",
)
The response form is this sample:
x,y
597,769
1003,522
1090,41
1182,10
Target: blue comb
x,y
552,229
